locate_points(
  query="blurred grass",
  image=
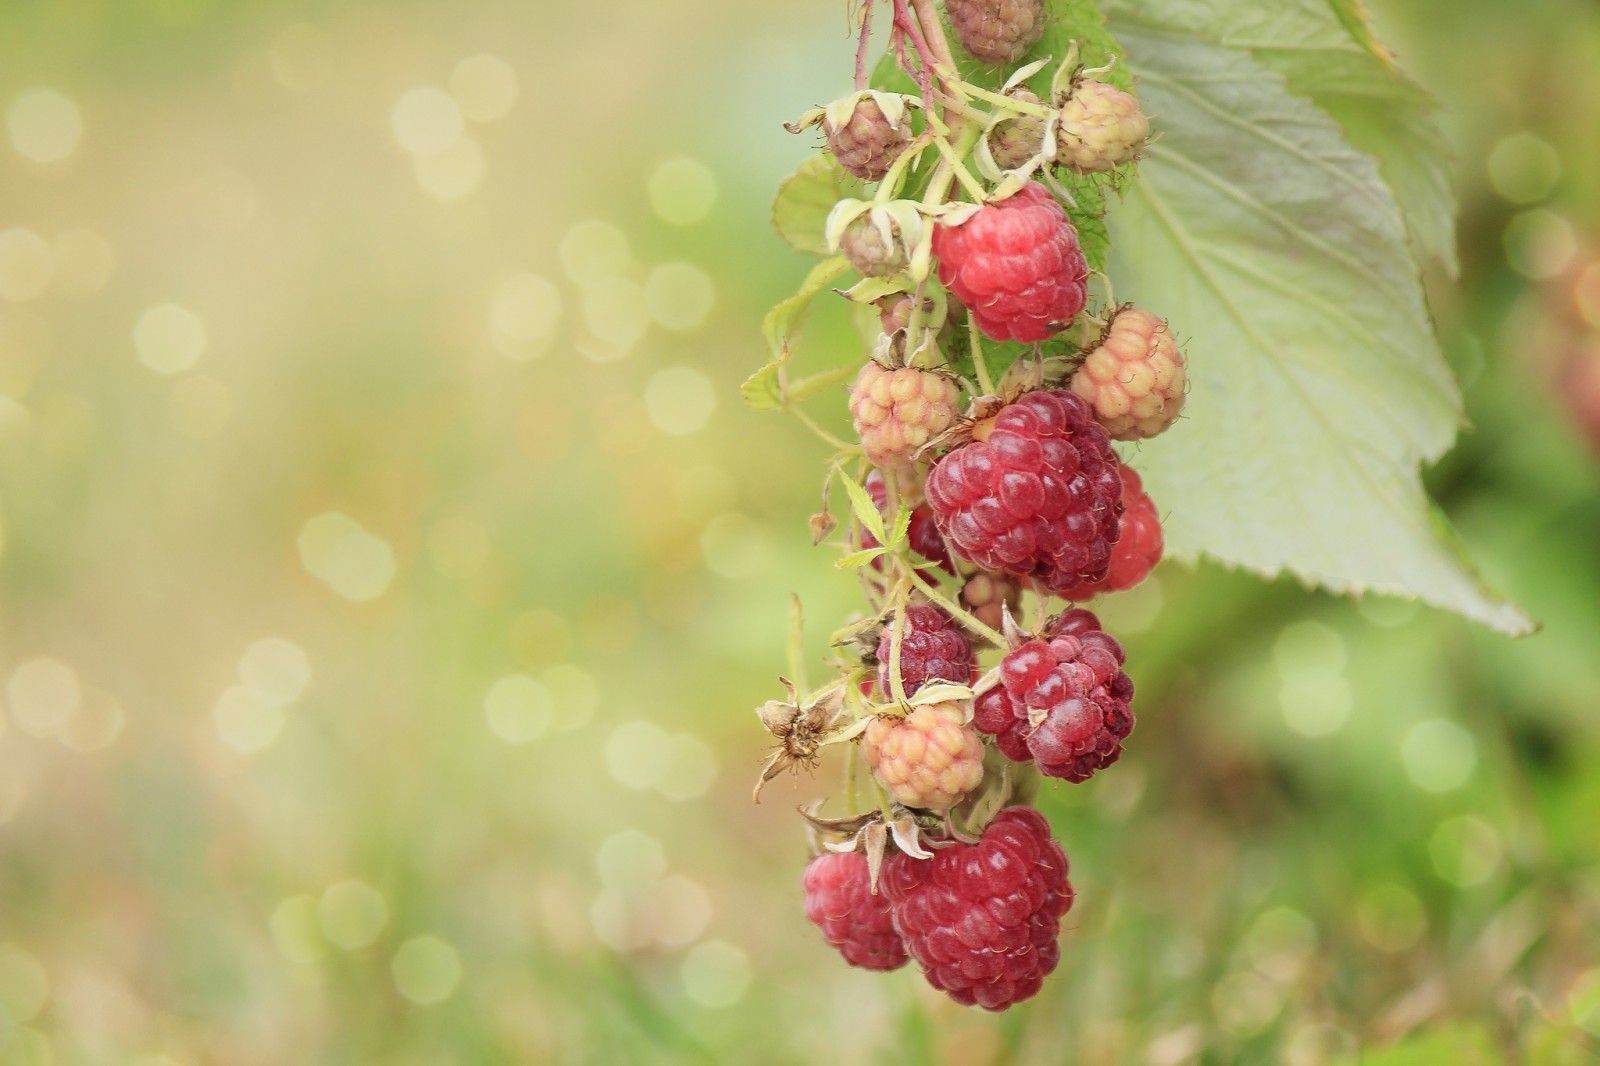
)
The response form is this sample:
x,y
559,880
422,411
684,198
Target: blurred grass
x,y
1341,827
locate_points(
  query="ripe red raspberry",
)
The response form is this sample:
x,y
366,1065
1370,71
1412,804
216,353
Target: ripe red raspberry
x,y
982,919
1135,378
1016,140
1100,128
866,138
1016,265
1035,494
898,410
923,532
932,648
1063,700
985,594
996,31
1138,549
840,902
928,759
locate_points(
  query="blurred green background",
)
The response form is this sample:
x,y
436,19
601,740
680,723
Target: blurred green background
x,y
388,570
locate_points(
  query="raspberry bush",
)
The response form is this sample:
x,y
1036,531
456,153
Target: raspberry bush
x,y
965,200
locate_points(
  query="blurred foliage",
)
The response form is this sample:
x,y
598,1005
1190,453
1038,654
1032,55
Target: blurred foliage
x,y
388,568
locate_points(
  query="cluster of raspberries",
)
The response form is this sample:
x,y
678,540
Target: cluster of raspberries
x,y
980,919
984,499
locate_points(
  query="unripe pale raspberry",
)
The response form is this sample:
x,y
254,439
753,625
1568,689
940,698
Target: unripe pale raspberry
x,y
1015,141
928,759
982,919
840,902
873,253
1063,700
932,648
986,594
869,142
1136,379
1100,128
897,411
1035,494
1016,265
1138,549
996,31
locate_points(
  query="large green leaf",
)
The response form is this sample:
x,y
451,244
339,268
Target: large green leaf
x,y
1280,256
1327,52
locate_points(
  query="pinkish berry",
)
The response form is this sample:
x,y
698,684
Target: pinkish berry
x,y
1136,378
983,919
928,759
932,648
996,31
986,595
1063,700
1016,265
840,902
869,141
1036,494
1100,128
898,410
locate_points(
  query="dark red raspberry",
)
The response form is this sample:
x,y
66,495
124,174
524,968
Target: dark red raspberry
x,y
1138,549
982,919
840,902
932,648
923,532
1017,266
1063,700
1036,493
996,31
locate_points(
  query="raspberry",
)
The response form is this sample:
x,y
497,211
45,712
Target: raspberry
x,y
1135,378
923,533
1017,266
985,594
1100,128
928,759
996,31
982,919
1035,494
874,248
1063,700
866,140
897,411
932,648
1138,549
1013,142
841,903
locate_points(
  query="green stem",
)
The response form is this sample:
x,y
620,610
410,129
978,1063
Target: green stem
x,y
979,363
973,187
961,615
897,684
829,438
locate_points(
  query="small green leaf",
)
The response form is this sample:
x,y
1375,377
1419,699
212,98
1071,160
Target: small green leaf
x,y
806,388
761,390
866,511
856,560
902,526
800,211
